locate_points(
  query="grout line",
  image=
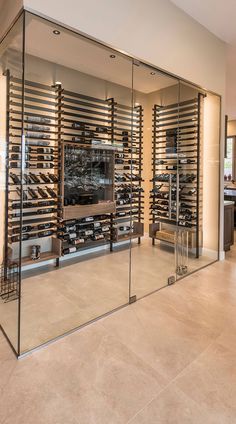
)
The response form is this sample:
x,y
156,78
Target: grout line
x,y
174,379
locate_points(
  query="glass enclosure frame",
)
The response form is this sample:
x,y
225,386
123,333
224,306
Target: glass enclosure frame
x,y
125,112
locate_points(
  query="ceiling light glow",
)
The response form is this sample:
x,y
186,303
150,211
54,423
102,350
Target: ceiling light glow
x,y
56,32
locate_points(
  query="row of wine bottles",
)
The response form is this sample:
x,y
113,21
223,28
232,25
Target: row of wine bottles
x,y
34,179
33,194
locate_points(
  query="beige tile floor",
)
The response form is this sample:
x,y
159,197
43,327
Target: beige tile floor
x,y
168,359
60,299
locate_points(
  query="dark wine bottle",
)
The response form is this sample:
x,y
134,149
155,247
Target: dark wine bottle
x,y
15,178
69,250
32,193
49,158
47,150
53,178
45,165
34,178
42,193
45,233
46,226
24,195
44,178
124,228
51,192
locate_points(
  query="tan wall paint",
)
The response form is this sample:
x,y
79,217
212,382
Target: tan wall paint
x,y
231,130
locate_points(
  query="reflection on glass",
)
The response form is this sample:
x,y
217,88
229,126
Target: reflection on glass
x,y
77,119
153,258
11,65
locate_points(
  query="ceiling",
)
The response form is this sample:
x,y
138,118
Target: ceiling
x,y
72,51
219,18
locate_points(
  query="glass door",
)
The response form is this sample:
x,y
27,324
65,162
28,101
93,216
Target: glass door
x,y
155,180
198,177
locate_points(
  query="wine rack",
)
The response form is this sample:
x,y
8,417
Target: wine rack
x,y
32,177
128,130
73,181
88,170
176,195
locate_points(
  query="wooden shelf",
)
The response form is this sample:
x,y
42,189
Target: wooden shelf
x,y
45,256
81,211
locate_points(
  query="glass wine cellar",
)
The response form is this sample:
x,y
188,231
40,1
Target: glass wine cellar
x,y
109,181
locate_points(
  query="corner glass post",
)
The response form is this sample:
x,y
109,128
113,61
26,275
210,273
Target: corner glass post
x,y
11,134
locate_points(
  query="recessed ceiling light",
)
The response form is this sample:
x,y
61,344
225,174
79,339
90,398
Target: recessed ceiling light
x,y
153,73
56,32
112,56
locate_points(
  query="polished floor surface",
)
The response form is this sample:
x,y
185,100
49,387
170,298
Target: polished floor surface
x,y
58,300
168,359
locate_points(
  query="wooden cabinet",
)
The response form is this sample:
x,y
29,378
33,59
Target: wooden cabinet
x,y
228,224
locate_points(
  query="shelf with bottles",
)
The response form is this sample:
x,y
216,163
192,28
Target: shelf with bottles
x,y
176,194
33,197
84,233
126,231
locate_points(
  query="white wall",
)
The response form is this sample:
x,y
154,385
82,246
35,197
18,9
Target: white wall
x,y
153,30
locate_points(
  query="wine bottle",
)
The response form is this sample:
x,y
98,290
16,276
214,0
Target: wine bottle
x,y
45,233
46,211
78,241
45,226
124,228
23,237
102,130
44,178
18,165
88,232
69,250
32,193
88,219
25,229
24,195
69,228
42,193
39,119
53,178
47,150
34,178
45,165
98,237
78,125
105,228
27,179
97,224
51,192
15,178
49,158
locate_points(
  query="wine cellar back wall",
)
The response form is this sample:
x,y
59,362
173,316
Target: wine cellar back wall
x,y
48,73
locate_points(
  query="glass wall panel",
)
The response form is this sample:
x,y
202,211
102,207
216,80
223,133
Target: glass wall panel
x,y
153,256
11,67
199,135
78,121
